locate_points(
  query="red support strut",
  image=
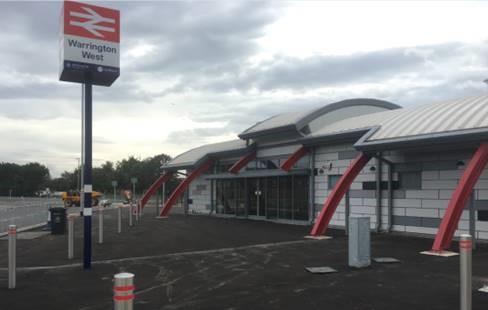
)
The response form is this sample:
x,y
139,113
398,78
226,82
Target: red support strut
x,y
152,189
459,198
290,161
244,160
183,186
337,193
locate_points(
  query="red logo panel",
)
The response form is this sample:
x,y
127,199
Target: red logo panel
x,y
91,21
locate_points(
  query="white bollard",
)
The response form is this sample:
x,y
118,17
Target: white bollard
x,y
119,220
12,240
100,225
123,291
136,208
130,215
71,237
465,255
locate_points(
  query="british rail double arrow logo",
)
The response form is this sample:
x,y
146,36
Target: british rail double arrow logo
x,y
92,22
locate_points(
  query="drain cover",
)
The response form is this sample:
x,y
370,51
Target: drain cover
x,y
386,260
320,270
484,289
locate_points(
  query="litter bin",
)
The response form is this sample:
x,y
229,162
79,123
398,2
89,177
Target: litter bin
x,y
58,221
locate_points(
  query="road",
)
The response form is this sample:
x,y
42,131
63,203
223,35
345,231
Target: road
x,y
25,212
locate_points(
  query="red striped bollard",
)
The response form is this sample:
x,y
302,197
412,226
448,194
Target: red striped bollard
x,y
124,291
12,264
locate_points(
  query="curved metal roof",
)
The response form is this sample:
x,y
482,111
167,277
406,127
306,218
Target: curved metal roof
x,y
197,155
296,121
465,119
452,115
429,122
354,126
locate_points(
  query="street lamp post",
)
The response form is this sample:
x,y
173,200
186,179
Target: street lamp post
x,y
114,184
134,181
78,174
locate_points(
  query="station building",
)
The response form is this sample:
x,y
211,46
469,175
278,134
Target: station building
x,y
414,170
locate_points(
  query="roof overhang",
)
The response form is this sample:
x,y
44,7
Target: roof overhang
x,y
214,155
467,136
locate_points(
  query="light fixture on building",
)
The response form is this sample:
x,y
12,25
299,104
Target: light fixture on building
x,y
373,168
460,163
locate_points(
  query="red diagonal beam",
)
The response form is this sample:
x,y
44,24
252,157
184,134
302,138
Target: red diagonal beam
x,y
152,189
290,161
459,198
180,189
337,193
244,160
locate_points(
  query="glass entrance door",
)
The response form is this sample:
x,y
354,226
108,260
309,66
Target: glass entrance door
x,y
256,194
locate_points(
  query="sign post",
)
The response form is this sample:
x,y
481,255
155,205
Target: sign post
x,y
90,38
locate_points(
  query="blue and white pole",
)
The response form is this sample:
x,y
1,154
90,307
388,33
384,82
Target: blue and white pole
x,y
87,174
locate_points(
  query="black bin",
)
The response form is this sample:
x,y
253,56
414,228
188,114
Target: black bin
x,y
58,221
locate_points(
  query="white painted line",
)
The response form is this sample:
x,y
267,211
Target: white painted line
x,y
26,228
170,255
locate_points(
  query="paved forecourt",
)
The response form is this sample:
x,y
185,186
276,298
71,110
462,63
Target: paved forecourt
x,y
200,262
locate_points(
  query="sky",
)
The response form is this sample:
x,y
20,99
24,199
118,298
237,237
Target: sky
x,y
200,72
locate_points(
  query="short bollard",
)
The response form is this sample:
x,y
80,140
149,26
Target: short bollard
x,y
71,237
12,240
119,220
123,291
100,225
136,208
465,248
130,215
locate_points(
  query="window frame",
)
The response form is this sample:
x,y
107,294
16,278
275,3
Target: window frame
x,y
401,178
329,183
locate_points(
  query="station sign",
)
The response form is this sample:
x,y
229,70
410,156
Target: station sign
x,y
89,44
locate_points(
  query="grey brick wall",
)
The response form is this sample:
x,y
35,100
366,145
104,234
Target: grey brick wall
x,y
200,196
418,210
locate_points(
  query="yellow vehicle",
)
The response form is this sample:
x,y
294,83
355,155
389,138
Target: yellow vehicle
x,y
71,198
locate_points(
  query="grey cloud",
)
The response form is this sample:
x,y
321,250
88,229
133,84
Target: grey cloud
x,y
101,140
208,37
199,35
324,71
194,136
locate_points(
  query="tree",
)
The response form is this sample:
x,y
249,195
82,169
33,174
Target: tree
x,y
23,180
103,176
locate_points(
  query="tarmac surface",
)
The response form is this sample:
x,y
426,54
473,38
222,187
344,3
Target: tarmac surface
x,y
202,262
25,211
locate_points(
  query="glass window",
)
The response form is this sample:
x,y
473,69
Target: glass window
x,y
285,203
300,197
240,197
251,165
410,179
272,197
302,163
226,196
333,179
